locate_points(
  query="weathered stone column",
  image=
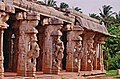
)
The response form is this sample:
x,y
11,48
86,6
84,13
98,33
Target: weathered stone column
x,y
71,62
97,50
78,53
22,43
87,60
27,43
57,51
1,54
51,25
90,51
100,65
33,47
3,18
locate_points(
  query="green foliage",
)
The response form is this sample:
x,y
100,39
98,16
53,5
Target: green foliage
x,y
117,19
113,43
51,3
64,5
114,63
106,15
78,9
111,48
111,73
93,15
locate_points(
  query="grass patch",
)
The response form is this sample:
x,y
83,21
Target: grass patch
x,y
111,73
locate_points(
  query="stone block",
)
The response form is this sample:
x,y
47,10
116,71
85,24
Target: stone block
x,y
16,2
9,8
118,71
33,16
8,1
2,6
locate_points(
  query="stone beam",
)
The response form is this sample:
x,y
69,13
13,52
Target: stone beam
x,y
43,10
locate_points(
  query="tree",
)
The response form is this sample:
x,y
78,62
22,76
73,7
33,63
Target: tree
x,y
78,9
93,15
64,5
106,15
117,19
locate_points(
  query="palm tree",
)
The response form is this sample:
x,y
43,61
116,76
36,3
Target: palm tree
x,y
117,19
78,9
93,15
106,14
64,5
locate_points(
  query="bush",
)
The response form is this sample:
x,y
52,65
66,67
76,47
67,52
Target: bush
x,y
114,62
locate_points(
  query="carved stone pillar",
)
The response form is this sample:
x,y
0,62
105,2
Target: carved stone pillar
x,y
3,18
57,51
27,44
90,51
98,58
100,65
97,50
71,36
87,60
51,25
77,55
33,52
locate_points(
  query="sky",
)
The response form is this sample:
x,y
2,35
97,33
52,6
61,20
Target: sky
x,y
92,6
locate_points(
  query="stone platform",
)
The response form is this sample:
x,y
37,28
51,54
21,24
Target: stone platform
x,y
62,75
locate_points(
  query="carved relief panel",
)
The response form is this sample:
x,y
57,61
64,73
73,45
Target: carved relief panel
x,y
78,53
90,51
57,50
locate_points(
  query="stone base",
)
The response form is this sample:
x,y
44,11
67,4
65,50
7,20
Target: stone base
x,y
30,74
46,71
75,69
94,72
61,75
69,69
1,76
21,73
55,71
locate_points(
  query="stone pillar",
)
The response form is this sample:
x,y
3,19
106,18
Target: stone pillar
x,y
87,60
77,55
33,47
97,50
1,54
3,18
71,36
100,65
70,50
57,51
27,43
90,51
51,25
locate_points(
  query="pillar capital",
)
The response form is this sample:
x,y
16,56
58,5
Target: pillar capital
x,y
3,18
31,16
52,21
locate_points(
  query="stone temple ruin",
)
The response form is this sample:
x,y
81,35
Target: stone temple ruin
x,y
38,40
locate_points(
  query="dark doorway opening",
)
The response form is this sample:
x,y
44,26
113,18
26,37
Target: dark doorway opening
x,y
64,39
8,49
8,46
